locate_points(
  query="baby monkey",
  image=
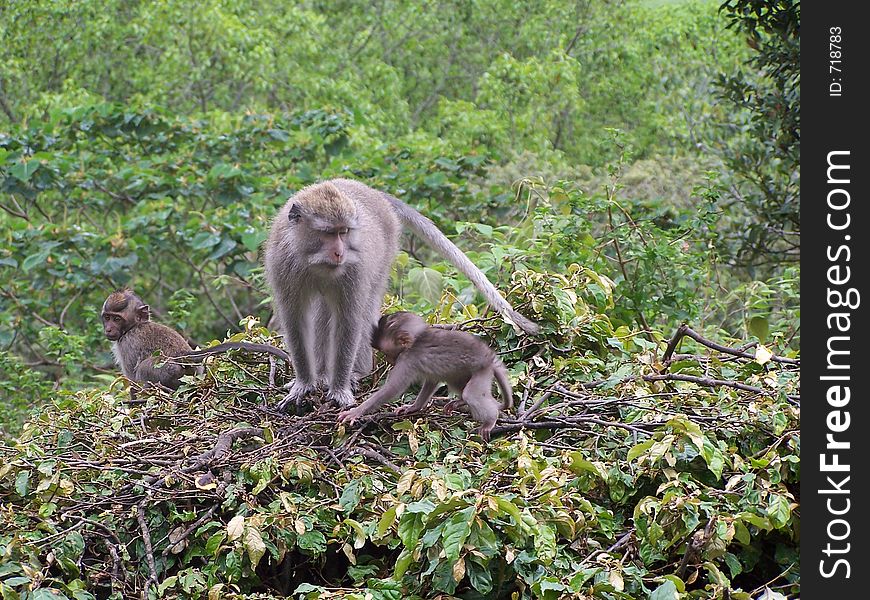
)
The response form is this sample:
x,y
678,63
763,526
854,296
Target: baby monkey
x,y
429,355
139,344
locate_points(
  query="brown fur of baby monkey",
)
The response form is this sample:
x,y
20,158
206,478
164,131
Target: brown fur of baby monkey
x,y
139,344
430,356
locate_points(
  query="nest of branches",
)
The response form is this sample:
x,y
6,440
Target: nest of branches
x,y
155,487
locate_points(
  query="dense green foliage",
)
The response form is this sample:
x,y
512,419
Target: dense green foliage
x,y
616,168
656,480
763,153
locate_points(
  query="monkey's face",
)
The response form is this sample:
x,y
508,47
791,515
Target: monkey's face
x,y
391,348
327,242
120,313
333,246
114,325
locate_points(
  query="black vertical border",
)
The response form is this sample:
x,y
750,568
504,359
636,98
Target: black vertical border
x,y
833,123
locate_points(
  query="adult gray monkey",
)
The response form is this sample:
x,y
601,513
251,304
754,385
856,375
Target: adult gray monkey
x,y
328,260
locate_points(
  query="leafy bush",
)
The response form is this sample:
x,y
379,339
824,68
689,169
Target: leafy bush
x,y
674,474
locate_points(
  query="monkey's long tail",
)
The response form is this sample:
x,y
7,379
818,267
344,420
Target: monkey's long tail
x,y
427,230
504,384
247,346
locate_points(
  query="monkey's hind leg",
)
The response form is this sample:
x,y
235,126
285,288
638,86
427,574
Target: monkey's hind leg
x,y
477,394
168,375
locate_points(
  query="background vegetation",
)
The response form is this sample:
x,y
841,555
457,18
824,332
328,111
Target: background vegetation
x,y
619,167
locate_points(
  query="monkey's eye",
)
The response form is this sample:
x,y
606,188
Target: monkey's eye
x,y
343,231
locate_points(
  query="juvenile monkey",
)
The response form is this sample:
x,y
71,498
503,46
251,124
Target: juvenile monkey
x,y
137,342
328,260
425,354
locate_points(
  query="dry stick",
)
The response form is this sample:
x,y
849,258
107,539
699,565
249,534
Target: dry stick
x,y
704,381
375,455
149,552
273,365
118,575
710,382
685,330
222,447
219,452
622,541
536,405
694,545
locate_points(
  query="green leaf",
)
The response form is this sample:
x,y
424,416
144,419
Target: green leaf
x,y
549,588
484,229
545,542
253,240
427,282
479,575
435,180
278,134
639,449
581,465
359,533
350,496
406,558
778,510
506,506
306,588
205,239
73,546
22,483
34,259
313,541
759,327
410,528
47,594
384,589
422,506
456,531
666,591
225,247
24,170
386,521
213,544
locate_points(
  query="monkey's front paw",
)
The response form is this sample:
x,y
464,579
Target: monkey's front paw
x,y
349,416
293,399
406,409
342,398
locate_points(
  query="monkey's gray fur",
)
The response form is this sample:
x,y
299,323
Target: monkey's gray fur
x,y
328,260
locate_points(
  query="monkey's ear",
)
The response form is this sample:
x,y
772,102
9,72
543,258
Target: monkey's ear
x,y
294,213
143,313
404,339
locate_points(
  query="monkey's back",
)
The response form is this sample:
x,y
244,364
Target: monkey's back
x,y
143,341
449,355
